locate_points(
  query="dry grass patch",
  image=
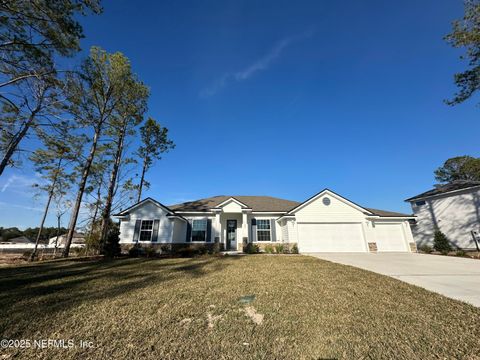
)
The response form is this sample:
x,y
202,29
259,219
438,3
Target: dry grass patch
x,y
189,308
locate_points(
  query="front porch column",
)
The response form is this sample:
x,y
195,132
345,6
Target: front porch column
x,y
244,238
218,227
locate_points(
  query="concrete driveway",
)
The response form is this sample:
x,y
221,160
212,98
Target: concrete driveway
x,y
457,278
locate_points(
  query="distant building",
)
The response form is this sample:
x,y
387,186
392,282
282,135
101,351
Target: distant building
x,y
19,240
78,239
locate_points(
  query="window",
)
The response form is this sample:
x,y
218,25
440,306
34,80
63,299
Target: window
x,y
199,230
146,230
420,203
263,230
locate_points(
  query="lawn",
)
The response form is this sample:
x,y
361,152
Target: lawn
x,y
189,308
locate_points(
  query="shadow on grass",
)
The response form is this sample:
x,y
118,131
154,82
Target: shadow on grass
x,y
41,290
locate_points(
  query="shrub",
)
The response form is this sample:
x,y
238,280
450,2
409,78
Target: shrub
x,y
215,249
202,251
269,249
150,252
441,243
26,255
294,249
252,248
79,251
460,253
280,249
135,251
427,249
186,252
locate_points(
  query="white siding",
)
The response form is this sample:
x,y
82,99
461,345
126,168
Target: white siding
x,y
455,215
292,230
146,211
232,207
317,220
337,211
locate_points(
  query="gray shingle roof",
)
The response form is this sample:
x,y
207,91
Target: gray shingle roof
x,y
386,213
445,188
256,203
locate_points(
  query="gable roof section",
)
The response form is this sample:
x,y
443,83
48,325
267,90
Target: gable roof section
x,y
232,199
256,203
149,199
333,194
446,188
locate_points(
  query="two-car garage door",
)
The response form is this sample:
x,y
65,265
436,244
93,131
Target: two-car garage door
x,y
331,237
349,237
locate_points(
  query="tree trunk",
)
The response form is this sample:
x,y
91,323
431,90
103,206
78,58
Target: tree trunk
x,y
111,186
45,213
81,190
13,145
95,213
142,179
58,234
34,252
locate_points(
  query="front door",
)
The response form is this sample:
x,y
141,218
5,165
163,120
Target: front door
x,y
231,233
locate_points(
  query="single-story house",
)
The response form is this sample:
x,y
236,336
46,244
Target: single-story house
x,y
326,222
20,240
78,239
453,208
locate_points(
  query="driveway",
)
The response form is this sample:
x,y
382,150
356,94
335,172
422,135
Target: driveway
x,y
457,278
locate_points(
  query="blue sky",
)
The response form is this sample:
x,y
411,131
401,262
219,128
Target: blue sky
x,y
286,98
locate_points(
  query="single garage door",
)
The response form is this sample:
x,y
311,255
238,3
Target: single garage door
x,y
390,237
332,237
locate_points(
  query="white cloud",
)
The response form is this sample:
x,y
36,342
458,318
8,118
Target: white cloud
x,y
16,182
260,64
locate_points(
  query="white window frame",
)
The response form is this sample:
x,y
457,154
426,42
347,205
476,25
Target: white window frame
x,y
206,227
264,230
151,231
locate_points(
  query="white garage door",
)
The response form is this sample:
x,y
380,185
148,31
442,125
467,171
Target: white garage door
x,y
390,237
334,237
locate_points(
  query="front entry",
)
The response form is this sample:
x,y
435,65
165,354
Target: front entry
x,y
231,233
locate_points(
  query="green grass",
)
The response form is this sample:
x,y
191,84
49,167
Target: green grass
x,y
160,309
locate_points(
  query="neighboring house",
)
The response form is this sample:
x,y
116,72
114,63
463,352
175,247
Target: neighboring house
x,y
327,222
453,208
20,240
78,239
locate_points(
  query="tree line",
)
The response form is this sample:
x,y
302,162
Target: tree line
x,y
87,126
31,233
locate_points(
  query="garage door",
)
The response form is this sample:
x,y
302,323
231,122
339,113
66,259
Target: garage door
x,y
334,237
389,237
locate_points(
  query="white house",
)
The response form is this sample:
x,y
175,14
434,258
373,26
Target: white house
x,y
78,239
453,208
327,222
